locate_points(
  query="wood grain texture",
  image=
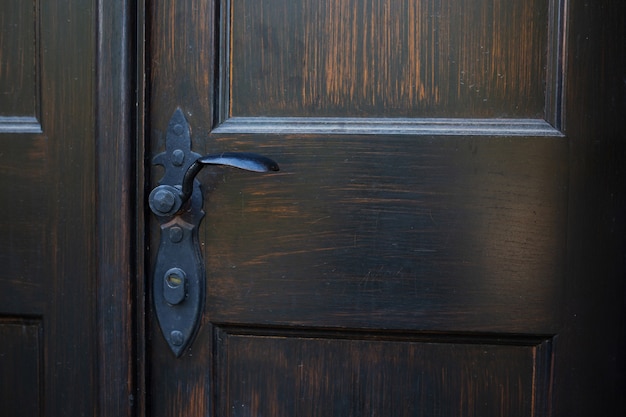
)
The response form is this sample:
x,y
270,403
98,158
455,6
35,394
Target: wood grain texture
x,y
21,379
24,247
591,365
68,110
116,206
401,58
321,376
181,62
181,67
20,60
438,233
48,183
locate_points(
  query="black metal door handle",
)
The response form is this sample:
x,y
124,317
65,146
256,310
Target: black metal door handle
x,y
242,160
178,281
168,199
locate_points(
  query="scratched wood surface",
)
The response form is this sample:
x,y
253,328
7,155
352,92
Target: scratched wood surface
x,y
435,233
20,66
443,58
181,72
281,378
369,249
48,188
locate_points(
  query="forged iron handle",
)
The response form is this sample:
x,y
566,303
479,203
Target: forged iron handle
x,y
178,283
242,160
169,199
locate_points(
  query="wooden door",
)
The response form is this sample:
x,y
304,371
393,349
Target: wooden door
x,y
445,235
47,186
66,328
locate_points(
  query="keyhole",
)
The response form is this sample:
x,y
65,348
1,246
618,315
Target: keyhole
x,y
174,280
174,286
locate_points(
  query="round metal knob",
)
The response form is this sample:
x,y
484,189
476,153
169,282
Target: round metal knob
x,y
165,200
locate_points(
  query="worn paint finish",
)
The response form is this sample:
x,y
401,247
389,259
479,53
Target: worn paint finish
x,y
318,375
48,184
437,235
399,58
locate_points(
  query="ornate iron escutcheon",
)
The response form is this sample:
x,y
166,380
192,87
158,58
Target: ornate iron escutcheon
x,y
179,277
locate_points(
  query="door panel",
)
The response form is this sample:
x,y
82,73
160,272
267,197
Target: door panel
x,y
317,374
400,58
412,253
47,183
21,65
394,219
431,233
21,364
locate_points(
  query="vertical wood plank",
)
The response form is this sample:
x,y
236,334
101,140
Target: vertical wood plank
x,y
68,109
181,61
590,365
115,150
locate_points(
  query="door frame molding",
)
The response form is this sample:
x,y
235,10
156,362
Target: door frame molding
x,y
119,139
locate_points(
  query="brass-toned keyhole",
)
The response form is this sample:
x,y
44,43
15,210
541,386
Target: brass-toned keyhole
x,y
174,290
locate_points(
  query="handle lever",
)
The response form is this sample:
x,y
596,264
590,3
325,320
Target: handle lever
x,y
179,276
242,160
168,199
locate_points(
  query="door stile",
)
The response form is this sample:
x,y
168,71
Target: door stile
x,y
118,288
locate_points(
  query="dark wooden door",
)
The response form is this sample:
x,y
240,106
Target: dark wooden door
x,y
47,184
445,235
65,147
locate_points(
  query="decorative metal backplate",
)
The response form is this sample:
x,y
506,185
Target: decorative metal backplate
x,y
178,281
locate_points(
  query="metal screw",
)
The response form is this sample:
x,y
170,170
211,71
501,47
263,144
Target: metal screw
x,y
164,201
177,337
178,157
176,234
